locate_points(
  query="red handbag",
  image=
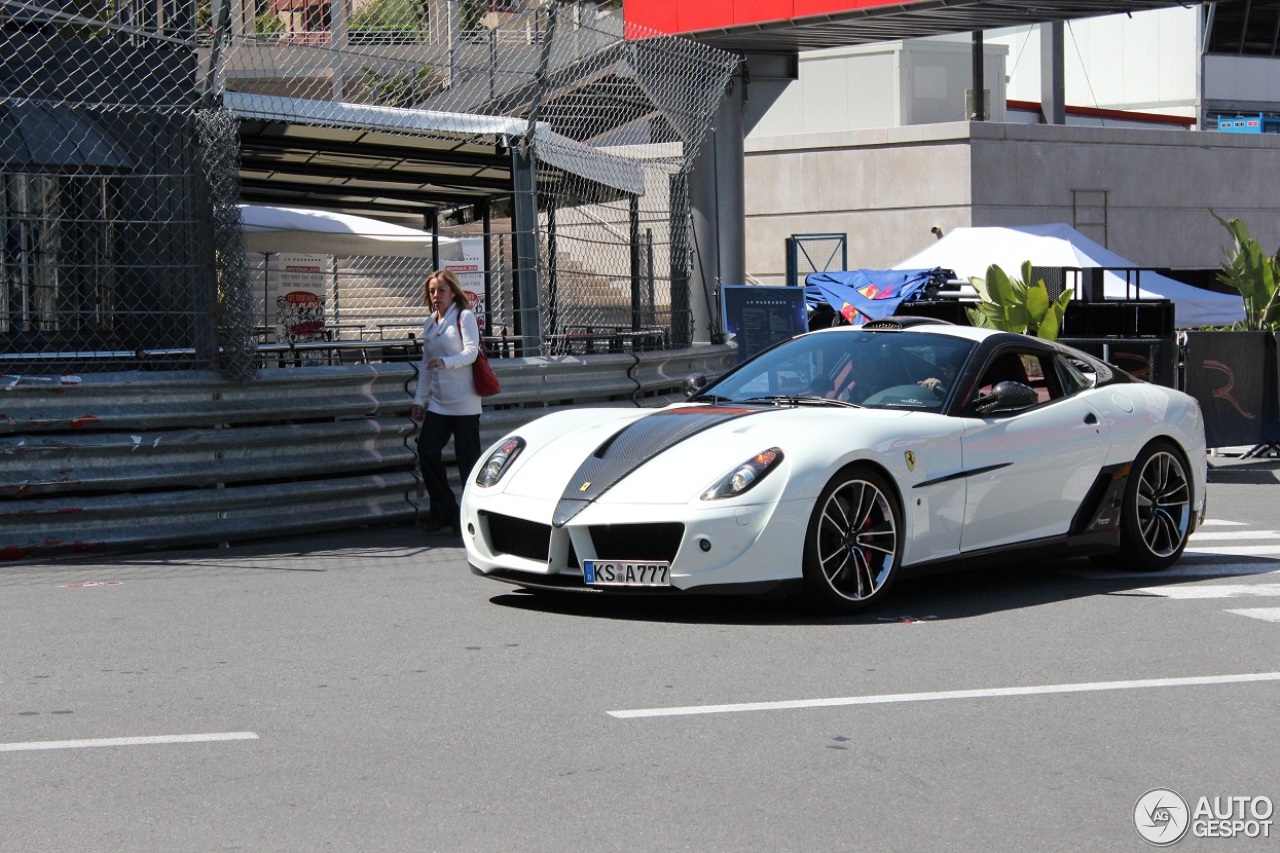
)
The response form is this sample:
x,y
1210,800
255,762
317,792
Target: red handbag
x,y
486,381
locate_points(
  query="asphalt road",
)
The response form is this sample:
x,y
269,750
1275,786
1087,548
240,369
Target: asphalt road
x,y
363,691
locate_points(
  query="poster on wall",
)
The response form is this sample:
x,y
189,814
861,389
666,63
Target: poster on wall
x,y
299,317
295,297
289,273
759,317
471,275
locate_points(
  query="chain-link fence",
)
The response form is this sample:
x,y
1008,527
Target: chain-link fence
x,y
553,140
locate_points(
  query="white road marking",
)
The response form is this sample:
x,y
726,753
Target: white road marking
x,y
1236,535
1235,550
1187,569
1222,522
124,741
1040,690
1266,614
1232,590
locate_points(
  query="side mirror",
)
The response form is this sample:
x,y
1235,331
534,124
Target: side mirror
x,y
694,383
1007,396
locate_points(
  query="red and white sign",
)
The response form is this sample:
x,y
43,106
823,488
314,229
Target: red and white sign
x,y
299,316
289,273
470,272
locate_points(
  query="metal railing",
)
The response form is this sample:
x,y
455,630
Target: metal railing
x,y
129,461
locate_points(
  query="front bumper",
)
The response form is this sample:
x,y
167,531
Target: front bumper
x,y
710,547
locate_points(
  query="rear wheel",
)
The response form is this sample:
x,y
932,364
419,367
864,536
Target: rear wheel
x,y
854,542
1155,520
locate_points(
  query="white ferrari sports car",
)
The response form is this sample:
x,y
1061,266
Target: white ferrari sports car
x,y
841,459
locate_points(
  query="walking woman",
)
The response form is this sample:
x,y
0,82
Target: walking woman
x,y
446,401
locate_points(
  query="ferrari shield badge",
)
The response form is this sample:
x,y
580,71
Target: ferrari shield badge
x,y
911,461
585,486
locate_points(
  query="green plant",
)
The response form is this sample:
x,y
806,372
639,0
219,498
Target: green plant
x,y
1012,305
401,89
389,15
1254,274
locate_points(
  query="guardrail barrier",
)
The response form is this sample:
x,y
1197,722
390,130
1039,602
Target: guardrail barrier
x,y
129,461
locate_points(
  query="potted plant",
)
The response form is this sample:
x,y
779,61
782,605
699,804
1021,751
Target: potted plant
x,y
1254,274
1017,305
1232,372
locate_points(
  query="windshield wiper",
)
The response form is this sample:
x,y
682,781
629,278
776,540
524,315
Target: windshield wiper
x,y
781,399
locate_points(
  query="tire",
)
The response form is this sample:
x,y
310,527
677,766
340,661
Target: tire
x,y
854,543
1155,517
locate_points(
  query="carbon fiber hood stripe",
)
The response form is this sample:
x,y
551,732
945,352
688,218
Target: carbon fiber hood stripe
x,y
631,447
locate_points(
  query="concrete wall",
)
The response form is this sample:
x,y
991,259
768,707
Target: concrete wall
x,y
1145,194
1148,61
883,85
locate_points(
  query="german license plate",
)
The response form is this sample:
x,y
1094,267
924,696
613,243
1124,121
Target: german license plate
x,y
626,573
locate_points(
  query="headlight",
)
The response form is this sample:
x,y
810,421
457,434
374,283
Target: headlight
x,y
744,476
498,462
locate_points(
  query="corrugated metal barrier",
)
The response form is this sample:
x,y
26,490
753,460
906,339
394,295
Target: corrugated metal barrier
x,y
130,461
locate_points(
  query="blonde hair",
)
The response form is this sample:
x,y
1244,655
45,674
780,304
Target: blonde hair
x,y
447,276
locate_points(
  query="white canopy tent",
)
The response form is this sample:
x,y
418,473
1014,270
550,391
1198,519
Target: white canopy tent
x,y
969,251
293,229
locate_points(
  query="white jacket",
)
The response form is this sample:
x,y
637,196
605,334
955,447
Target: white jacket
x,y
452,390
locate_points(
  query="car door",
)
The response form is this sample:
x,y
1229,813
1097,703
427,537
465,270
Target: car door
x,y
1027,471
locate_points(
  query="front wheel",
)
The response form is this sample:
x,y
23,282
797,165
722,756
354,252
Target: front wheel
x,y
854,542
1155,520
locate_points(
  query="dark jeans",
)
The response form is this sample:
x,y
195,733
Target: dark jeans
x,y
434,435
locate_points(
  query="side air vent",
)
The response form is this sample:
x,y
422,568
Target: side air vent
x,y
519,537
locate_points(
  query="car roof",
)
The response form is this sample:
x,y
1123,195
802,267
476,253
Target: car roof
x,y
969,333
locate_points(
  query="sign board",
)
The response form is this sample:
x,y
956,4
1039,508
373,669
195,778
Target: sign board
x,y
299,317
471,275
289,273
759,317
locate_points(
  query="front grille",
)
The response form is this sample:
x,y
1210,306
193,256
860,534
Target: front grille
x,y
637,541
519,537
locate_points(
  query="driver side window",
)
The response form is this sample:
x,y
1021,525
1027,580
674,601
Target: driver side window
x,y
1028,368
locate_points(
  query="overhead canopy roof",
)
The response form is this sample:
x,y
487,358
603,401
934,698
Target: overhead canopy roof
x,y
872,21
383,160
368,162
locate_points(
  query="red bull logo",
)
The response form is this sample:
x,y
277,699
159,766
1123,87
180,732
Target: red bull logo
x,y
875,291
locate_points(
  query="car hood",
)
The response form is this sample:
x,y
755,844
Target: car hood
x,y
667,454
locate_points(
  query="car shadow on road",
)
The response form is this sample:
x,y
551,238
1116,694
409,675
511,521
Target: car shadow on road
x,y
963,594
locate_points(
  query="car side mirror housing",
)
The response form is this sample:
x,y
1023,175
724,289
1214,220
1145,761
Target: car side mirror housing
x,y
694,383
1007,396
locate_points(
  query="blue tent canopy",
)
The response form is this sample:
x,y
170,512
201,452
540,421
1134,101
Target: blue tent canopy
x,y
862,295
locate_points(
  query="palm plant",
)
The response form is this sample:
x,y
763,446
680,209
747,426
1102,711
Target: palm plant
x,y
1254,274
1013,305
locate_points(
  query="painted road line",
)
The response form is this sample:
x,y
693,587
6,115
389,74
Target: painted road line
x,y
1235,551
1230,590
1266,614
1186,569
125,741
991,693
1222,522
1237,535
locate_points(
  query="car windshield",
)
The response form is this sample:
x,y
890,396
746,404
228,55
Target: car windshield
x,y
892,370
